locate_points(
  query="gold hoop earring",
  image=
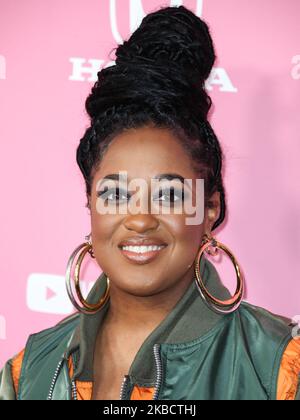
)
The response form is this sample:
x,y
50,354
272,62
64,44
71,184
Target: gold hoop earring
x,y
87,308
219,306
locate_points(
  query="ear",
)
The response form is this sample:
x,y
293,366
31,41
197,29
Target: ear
x,y
212,212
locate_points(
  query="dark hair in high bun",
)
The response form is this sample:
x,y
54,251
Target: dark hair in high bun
x,y
158,79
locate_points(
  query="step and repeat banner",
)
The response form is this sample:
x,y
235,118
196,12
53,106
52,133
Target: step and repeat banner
x,y
50,53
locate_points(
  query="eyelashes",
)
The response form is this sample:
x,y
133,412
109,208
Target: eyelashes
x,y
106,193
174,195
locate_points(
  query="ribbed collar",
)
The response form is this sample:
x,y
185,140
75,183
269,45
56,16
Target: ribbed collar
x,y
190,319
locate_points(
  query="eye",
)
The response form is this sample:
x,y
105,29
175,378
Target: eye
x,y
172,195
113,194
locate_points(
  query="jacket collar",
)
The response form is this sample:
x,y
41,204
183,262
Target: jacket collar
x,y
190,319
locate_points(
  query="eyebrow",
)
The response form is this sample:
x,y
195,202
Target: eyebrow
x,y
168,176
159,177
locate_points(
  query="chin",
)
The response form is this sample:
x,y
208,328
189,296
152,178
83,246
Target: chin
x,y
141,287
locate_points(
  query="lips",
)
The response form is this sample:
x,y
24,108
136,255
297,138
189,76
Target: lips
x,y
137,241
140,254
142,257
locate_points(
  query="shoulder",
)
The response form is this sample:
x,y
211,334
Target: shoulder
x,y
41,351
262,321
52,336
51,340
49,345
264,332
7,386
269,338
289,373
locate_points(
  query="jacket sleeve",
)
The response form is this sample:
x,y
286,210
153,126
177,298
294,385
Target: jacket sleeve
x,y
7,390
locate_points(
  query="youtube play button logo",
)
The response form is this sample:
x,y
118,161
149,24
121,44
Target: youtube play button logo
x,y
47,293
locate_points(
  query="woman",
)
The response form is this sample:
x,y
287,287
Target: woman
x,y
158,323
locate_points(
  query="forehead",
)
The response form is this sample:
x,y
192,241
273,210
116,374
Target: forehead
x,y
145,152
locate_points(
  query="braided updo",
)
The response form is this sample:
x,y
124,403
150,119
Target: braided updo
x,y
158,79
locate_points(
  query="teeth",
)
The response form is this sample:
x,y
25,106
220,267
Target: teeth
x,y
141,249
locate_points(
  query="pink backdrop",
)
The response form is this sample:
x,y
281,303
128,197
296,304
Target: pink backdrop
x,y
50,52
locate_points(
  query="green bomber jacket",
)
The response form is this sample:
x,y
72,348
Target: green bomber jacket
x,y
193,354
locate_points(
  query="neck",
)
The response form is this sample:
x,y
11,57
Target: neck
x,y
129,312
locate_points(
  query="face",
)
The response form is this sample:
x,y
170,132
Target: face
x,y
145,153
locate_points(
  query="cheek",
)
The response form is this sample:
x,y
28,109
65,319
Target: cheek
x,y
186,238
181,231
103,230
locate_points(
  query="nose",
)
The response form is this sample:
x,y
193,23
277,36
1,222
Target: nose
x,y
141,222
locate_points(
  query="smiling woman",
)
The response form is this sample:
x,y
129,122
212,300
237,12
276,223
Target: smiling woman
x,y
159,323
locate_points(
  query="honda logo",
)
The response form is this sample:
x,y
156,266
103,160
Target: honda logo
x,y
86,70
137,13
